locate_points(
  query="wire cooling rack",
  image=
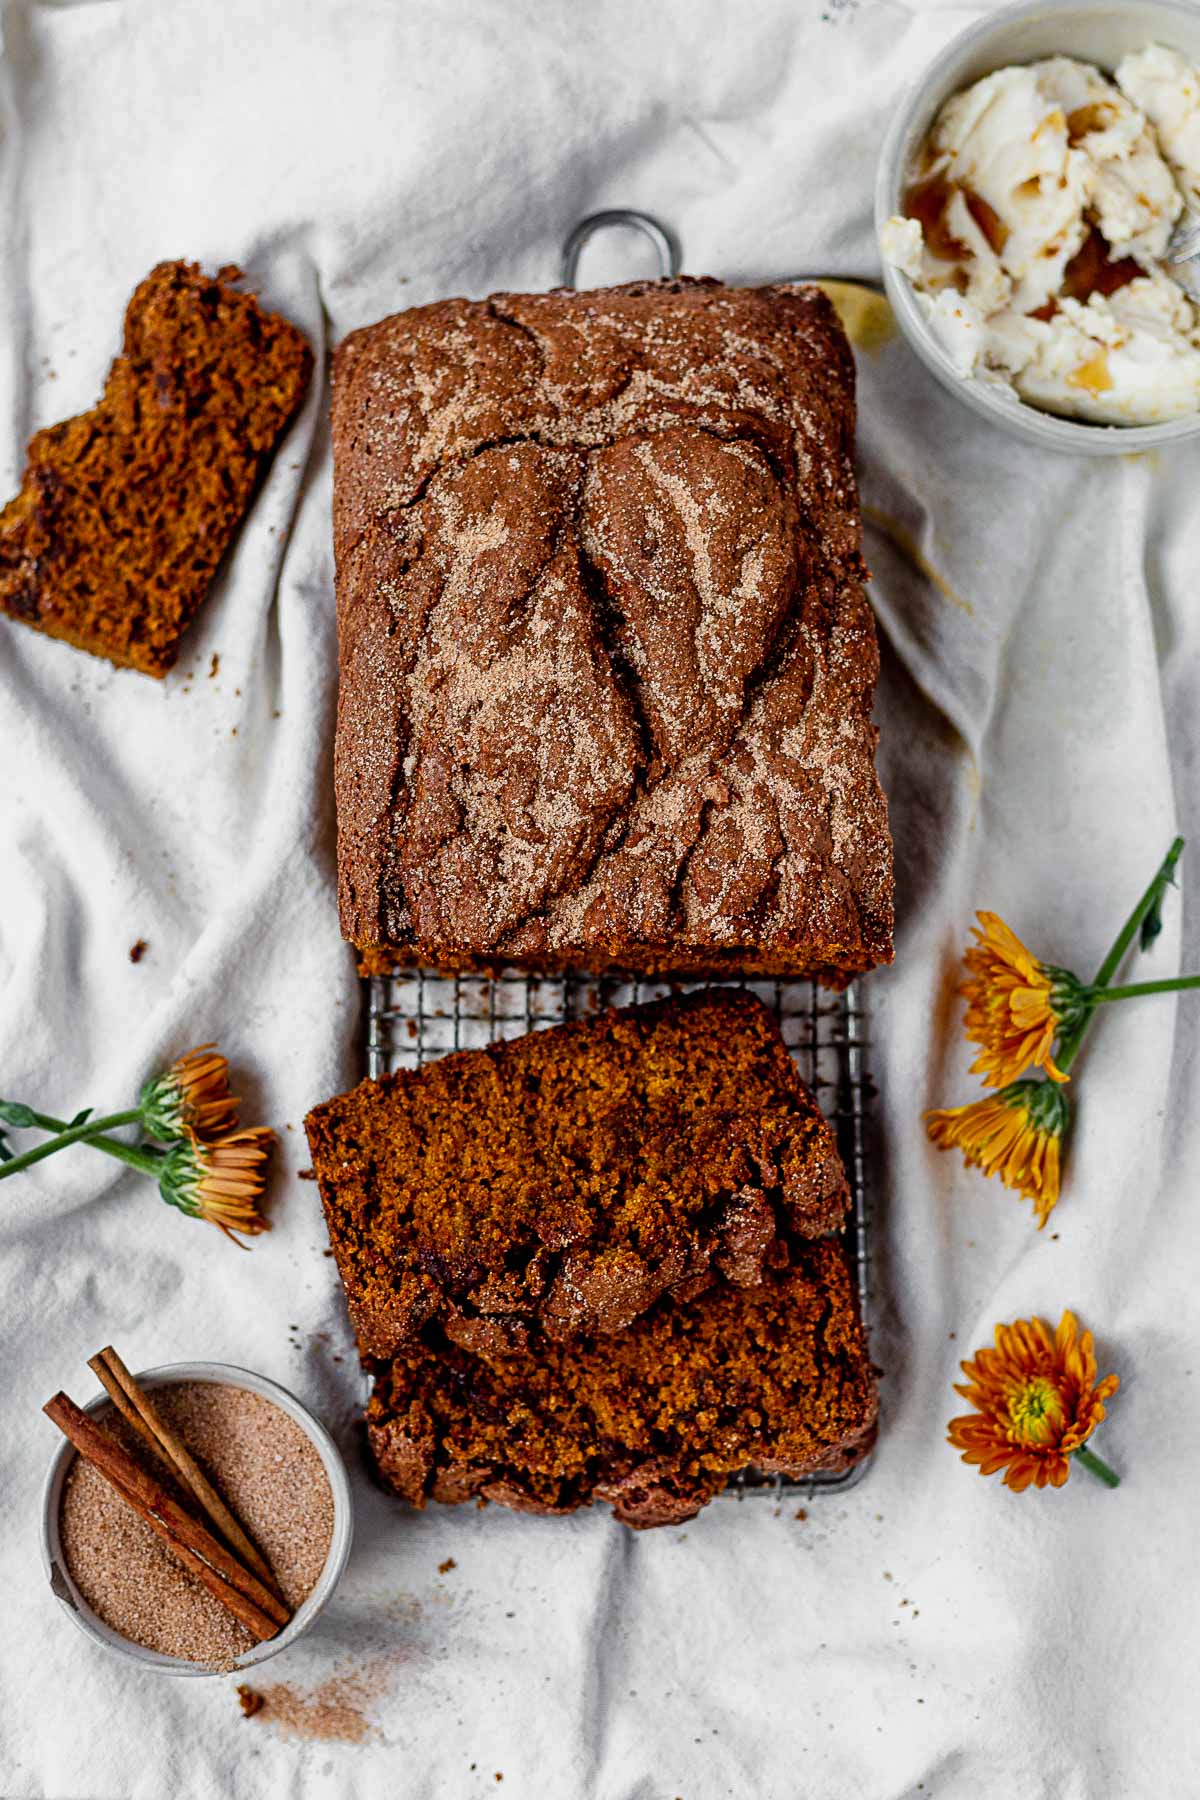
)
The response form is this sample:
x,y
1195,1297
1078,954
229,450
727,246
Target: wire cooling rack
x,y
414,1017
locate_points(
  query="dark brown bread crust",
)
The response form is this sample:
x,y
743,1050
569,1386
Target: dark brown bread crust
x,y
606,663
653,1420
125,511
560,1183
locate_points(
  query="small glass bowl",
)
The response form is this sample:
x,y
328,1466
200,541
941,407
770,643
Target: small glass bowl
x,y
224,1375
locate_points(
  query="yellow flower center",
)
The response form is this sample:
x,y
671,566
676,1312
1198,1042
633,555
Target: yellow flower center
x,y
1035,1411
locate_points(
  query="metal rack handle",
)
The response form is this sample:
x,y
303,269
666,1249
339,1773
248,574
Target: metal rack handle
x,y
665,244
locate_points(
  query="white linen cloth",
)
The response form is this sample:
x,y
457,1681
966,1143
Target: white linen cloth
x,y
929,1633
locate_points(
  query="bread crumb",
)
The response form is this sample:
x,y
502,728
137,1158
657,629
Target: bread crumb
x,y
138,950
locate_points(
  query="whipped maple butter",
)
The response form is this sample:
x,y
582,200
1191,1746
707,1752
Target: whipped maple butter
x,y
1035,233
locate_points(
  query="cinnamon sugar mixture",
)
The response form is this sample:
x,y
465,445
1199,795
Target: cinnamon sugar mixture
x,y
270,1475
332,1714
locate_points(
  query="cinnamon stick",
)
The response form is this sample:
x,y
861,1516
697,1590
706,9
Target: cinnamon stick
x,y
203,1555
135,1405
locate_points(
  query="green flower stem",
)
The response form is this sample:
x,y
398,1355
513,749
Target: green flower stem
x,y
1072,1040
1096,1465
1132,925
1135,989
1070,1044
90,1132
142,1156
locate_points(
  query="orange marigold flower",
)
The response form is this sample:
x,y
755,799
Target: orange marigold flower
x,y
1016,1006
191,1096
221,1181
1036,1400
1016,1134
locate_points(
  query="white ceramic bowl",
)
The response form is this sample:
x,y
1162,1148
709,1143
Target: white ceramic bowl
x,y
225,1375
1037,28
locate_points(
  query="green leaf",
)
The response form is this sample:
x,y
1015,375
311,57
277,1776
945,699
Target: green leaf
x,y
6,1154
1151,926
80,1117
14,1113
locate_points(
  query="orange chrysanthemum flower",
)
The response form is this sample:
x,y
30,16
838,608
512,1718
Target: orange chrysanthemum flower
x,y
1016,1006
1016,1134
221,1181
192,1096
1036,1400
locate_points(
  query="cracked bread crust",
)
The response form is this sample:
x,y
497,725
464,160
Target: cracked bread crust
x,y
126,511
607,666
557,1185
653,1421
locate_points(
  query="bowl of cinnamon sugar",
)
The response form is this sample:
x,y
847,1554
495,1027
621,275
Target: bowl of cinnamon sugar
x,y
197,1518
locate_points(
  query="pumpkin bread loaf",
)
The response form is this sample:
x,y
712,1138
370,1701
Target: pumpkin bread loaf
x,y
126,511
653,1420
556,1185
606,663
